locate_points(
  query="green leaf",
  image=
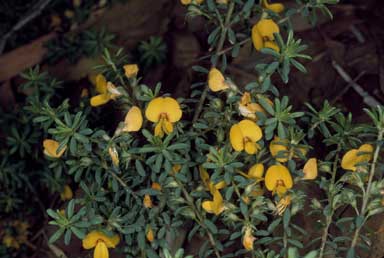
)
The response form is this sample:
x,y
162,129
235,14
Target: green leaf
x,y
211,226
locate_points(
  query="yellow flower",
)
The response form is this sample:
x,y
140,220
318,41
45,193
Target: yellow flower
x,y
222,1
353,158
187,2
216,206
262,34
216,80
249,109
50,148
248,239
310,169
133,120
100,242
207,182
156,186
131,70
282,205
67,193
244,135
255,172
278,179
106,90
114,156
150,236
164,112
279,147
277,7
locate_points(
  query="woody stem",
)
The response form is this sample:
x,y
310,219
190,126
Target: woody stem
x,y
224,30
367,193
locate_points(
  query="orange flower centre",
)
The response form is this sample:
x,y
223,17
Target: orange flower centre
x,y
280,183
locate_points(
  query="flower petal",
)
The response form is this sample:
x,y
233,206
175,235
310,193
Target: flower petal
x,y
91,239
272,45
172,108
216,80
236,138
154,109
256,171
266,28
99,100
101,250
250,130
133,120
310,169
101,84
278,148
50,148
257,39
349,160
275,173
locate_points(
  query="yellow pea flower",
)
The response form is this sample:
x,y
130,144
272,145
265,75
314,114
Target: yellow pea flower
x,y
67,193
131,70
187,2
277,7
262,34
255,172
247,108
100,242
279,147
216,80
50,148
282,205
216,206
310,169
147,201
106,90
156,186
164,112
133,120
114,156
244,135
354,157
248,239
278,179
150,235
207,182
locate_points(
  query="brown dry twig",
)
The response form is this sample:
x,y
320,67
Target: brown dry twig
x,y
34,12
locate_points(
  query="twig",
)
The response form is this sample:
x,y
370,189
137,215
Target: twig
x,y
367,98
35,11
346,88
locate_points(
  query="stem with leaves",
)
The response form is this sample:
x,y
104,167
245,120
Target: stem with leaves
x,y
367,193
220,45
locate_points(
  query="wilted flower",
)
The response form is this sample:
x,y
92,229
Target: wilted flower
x,y
248,239
278,179
310,169
147,201
164,112
114,156
156,186
262,34
133,120
150,235
100,242
67,193
283,204
247,108
353,158
244,136
106,90
277,7
50,148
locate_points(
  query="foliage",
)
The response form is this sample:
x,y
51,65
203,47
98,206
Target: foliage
x,y
231,164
